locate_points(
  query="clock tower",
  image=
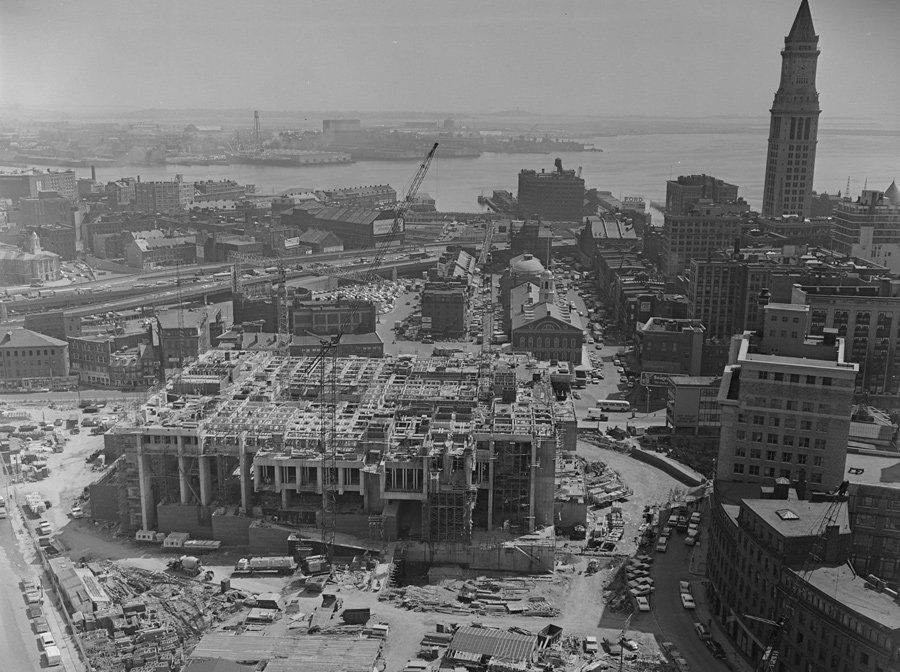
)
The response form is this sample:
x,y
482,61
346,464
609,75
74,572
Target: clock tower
x,y
791,157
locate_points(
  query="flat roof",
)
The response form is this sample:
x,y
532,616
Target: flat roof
x,y
883,470
797,518
309,652
841,585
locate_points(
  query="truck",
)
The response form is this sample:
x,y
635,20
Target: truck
x,y
266,565
2,508
186,564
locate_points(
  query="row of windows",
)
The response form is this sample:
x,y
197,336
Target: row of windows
x,y
772,455
794,378
770,472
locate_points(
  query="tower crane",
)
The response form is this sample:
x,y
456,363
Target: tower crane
x,y
328,347
769,660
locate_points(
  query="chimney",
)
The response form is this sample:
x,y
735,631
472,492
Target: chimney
x,y
93,174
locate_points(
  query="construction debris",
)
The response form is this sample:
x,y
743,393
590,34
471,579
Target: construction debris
x,y
482,596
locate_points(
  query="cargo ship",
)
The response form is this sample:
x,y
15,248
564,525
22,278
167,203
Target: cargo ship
x,y
290,157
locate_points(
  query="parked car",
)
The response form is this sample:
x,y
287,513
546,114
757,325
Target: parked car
x,y
46,639
43,527
662,545
684,587
702,631
643,603
687,601
590,645
77,512
715,649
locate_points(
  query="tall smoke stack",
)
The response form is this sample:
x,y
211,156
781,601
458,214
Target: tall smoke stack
x,y
93,174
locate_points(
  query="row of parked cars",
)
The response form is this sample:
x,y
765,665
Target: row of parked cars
x,y
34,596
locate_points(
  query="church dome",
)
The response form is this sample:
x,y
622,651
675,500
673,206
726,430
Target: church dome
x,y
526,264
893,194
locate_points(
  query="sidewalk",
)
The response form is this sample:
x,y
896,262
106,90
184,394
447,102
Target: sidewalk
x,y
50,605
734,659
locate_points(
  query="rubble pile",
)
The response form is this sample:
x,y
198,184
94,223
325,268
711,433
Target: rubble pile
x,y
482,596
153,619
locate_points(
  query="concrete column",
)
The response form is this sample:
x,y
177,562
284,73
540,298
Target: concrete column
x,y
183,486
246,464
532,477
340,480
183,469
148,509
284,498
490,520
278,479
320,478
205,479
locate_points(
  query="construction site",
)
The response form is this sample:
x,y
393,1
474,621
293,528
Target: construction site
x,y
415,450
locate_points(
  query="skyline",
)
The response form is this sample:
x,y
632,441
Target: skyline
x,y
645,58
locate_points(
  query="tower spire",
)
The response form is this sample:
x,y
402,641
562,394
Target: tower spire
x,y
802,30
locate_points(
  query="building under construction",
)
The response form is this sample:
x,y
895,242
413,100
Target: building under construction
x,y
389,448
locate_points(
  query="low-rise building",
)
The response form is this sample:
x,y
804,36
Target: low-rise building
x,y
147,253
19,266
163,196
445,308
692,405
327,318
548,332
184,335
533,238
26,354
320,242
121,361
670,346
350,345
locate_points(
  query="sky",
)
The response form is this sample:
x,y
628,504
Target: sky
x,y
680,58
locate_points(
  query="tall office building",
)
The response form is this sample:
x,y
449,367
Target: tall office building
x,y
795,112
867,228
785,400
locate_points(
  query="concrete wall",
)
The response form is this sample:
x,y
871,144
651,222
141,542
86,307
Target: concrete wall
x,y
680,472
571,513
105,502
190,518
523,557
268,539
231,530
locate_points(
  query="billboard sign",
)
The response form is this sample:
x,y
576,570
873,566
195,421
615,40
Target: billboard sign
x,y
383,227
291,242
658,379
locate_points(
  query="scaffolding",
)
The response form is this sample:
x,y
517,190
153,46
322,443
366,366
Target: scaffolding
x,y
448,515
512,483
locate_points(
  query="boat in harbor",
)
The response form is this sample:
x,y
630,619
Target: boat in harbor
x,y
289,157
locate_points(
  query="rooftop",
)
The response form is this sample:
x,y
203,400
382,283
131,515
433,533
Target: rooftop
x,y
25,338
495,643
851,593
310,652
796,518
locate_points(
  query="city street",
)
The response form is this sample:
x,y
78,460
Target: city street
x,y
17,641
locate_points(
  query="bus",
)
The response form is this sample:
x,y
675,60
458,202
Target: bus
x,y
616,405
596,414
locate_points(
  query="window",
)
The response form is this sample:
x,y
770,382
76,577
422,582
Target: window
x,y
763,375
819,444
779,377
770,455
753,470
741,434
739,468
772,438
740,451
826,381
795,378
801,459
774,422
818,460
806,425
810,380
758,420
787,439
755,453
756,436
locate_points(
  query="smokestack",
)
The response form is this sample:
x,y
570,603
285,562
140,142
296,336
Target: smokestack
x,y
558,164
93,173
139,178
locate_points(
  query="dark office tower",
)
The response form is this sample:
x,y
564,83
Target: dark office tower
x,y
795,121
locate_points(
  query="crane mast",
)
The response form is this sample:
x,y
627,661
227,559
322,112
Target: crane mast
x,y
328,388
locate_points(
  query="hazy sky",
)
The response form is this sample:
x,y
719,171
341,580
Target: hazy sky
x,y
604,57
